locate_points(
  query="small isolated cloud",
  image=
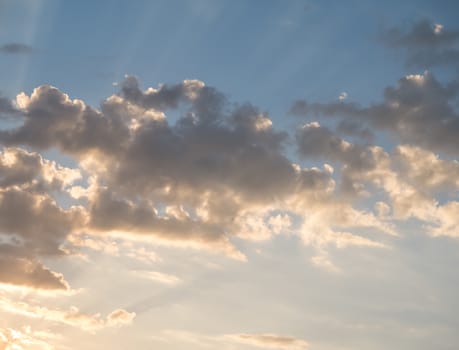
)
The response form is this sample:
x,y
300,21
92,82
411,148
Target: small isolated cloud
x,y
16,49
119,317
227,341
269,341
157,276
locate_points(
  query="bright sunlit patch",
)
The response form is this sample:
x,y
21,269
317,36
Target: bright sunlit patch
x,y
25,339
262,123
418,79
343,96
261,209
438,28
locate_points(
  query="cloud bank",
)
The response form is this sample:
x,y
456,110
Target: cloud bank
x,y
182,165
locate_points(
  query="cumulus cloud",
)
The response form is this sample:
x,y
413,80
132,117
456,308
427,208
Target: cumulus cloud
x,y
316,141
411,177
419,110
426,170
203,179
426,43
32,224
216,170
445,221
29,273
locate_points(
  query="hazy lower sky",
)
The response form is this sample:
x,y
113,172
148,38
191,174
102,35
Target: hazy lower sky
x,y
232,175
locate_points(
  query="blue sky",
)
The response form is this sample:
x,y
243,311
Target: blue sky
x,y
232,175
263,52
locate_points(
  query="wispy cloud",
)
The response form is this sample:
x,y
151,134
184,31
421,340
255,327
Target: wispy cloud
x,y
72,317
16,49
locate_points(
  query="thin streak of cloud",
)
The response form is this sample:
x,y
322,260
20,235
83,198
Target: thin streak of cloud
x,y
16,49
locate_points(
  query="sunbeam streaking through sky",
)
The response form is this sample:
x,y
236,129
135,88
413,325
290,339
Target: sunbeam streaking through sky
x,y
229,175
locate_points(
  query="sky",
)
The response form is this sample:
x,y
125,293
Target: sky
x,y
233,175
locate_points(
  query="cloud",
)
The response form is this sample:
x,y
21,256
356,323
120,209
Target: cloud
x,y
16,49
24,272
319,142
157,276
426,170
343,96
7,108
24,339
411,177
226,341
427,44
200,180
445,221
269,341
217,171
120,317
422,34
71,317
418,110
316,141
32,223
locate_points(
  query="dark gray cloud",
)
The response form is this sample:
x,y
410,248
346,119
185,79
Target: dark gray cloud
x,y
32,225
16,49
422,34
354,129
315,141
418,110
426,44
428,59
53,120
193,180
166,96
213,172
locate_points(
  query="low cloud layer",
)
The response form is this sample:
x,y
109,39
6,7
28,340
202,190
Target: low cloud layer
x,y
217,171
